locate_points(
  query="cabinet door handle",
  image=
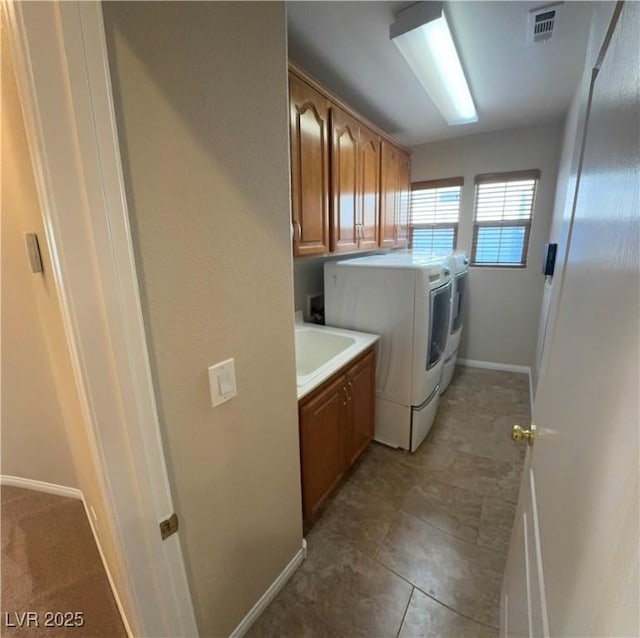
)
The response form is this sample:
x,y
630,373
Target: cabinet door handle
x,y
297,231
350,390
346,395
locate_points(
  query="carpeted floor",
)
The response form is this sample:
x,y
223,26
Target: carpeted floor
x,y
53,581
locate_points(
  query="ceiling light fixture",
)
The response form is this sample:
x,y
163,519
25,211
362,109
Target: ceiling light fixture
x,y
422,34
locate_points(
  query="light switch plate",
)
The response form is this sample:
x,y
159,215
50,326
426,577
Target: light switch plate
x,y
222,382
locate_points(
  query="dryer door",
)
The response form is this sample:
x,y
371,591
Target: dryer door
x,y
431,328
440,298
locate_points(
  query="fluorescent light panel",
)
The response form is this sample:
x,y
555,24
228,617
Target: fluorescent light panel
x,y
430,52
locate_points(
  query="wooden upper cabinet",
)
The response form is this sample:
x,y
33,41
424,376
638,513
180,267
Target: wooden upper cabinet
x,y
389,169
309,122
345,194
404,200
395,188
369,187
355,161
349,180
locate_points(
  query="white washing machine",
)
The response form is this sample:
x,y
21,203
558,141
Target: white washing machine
x,y
458,263
406,299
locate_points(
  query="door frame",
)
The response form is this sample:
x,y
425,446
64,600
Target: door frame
x,y
62,70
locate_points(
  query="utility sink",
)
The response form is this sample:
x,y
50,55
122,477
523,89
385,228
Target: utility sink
x,y
314,348
321,351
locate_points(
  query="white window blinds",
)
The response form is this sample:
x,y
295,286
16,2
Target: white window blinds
x,y
502,221
435,210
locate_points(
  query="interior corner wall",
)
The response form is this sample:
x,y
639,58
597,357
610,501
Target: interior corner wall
x,y
34,440
200,92
503,308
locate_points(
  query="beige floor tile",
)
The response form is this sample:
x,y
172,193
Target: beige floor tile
x,y
457,573
496,523
429,456
356,515
349,592
413,512
287,618
426,618
450,508
487,476
382,474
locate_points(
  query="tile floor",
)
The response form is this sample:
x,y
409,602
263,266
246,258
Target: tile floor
x,y
414,545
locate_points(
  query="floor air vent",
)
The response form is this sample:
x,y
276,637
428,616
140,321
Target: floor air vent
x,y
542,22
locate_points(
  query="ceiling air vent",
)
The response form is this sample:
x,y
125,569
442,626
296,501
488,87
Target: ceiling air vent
x,y
542,22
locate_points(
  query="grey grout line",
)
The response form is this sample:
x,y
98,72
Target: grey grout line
x,y
420,520
446,531
455,611
391,524
406,609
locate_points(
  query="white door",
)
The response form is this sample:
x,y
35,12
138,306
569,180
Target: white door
x,y
572,568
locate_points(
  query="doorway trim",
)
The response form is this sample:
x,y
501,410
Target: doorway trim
x,y
63,77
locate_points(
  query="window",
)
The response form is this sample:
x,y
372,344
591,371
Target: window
x,y
502,220
435,208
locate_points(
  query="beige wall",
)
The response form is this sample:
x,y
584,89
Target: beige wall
x,y
34,438
308,276
501,323
201,101
567,174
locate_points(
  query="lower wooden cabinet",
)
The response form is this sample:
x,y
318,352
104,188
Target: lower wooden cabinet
x,y
336,425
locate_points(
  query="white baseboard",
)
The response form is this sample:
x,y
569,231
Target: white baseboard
x,y
271,592
74,493
41,486
490,365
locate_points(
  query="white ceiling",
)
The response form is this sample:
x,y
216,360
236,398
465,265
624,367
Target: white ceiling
x,y
346,46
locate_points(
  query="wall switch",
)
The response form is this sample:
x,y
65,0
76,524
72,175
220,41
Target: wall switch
x,y
222,382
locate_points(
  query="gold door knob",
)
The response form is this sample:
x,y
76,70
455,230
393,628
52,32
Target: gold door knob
x,y
517,434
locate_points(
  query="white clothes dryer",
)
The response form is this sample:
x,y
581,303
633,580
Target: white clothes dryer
x,y
406,299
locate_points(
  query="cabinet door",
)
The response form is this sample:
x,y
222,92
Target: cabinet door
x,y
344,185
389,194
309,122
369,168
362,387
404,200
322,426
